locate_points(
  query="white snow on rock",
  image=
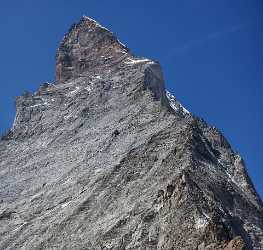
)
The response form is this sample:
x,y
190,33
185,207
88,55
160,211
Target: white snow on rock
x,y
97,24
122,44
176,106
201,222
88,88
65,204
136,61
39,104
75,91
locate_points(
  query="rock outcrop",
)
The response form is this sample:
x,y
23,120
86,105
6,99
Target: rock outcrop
x,y
106,158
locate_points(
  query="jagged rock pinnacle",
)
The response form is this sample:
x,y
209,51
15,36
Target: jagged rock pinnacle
x,y
87,47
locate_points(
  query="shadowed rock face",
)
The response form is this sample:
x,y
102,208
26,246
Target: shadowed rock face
x,y
106,158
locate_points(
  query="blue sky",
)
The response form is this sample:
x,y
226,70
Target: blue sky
x,y
211,53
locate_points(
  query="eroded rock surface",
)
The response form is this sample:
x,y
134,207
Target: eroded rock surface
x,y
106,158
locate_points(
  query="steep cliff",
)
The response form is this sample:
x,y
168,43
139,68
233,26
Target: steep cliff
x,y
106,158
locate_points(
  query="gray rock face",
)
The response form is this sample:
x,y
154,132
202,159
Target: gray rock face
x,y
106,158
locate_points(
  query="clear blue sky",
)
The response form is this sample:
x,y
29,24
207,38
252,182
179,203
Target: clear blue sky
x,y
211,53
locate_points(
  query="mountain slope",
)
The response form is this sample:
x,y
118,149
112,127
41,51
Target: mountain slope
x,y
106,158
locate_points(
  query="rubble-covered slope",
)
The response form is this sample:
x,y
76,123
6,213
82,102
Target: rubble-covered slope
x,y
106,158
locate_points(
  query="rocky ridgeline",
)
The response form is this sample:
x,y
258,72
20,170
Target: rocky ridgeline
x,y
106,158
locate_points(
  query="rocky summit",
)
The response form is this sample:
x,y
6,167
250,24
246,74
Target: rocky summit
x,y
106,158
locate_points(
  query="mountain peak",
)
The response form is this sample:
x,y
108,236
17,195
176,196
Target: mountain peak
x,y
87,47
90,21
108,159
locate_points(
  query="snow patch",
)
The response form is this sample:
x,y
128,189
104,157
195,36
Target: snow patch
x,y
88,88
136,61
175,105
65,204
201,222
39,104
122,44
75,91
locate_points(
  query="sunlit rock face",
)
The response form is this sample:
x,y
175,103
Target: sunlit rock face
x,y
106,158
87,48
